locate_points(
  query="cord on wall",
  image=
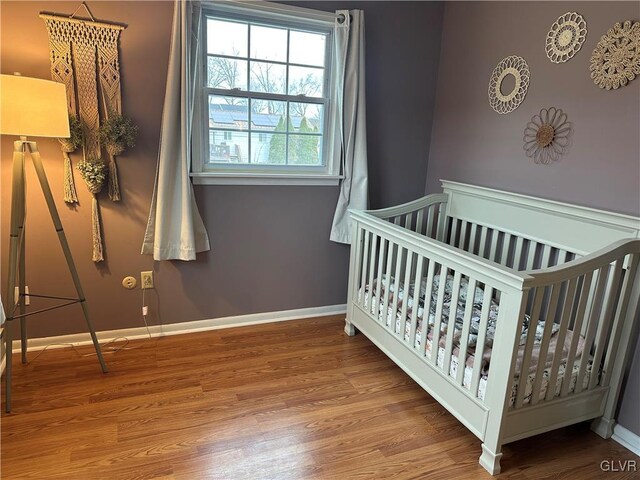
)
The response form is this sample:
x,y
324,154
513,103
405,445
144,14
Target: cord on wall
x,y
108,346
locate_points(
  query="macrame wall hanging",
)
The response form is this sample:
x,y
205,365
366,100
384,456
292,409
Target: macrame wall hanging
x,y
84,56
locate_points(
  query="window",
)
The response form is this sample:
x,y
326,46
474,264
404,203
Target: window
x,y
265,94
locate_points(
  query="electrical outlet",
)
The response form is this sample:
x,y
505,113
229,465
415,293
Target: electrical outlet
x,y
27,300
146,279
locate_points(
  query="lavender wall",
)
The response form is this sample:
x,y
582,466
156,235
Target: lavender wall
x,y
403,47
471,143
271,249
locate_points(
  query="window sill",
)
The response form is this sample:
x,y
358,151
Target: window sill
x,y
210,178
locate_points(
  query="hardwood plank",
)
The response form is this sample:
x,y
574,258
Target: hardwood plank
x,y
297,400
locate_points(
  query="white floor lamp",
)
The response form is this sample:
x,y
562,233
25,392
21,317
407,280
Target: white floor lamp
x,y
36,108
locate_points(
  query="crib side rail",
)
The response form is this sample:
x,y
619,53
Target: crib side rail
x,y
504,246
407,283
425,215
575,340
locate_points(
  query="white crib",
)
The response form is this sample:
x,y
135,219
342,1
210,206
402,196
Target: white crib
x,y
529,306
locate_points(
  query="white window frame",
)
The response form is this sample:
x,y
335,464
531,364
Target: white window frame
x,y
286,16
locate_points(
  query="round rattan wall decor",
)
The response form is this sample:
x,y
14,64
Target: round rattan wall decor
x,y
616,59
565,37
518,68
546,136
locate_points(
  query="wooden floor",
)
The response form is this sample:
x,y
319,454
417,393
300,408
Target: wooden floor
x,y
291,400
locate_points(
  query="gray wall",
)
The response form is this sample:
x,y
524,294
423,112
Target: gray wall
x,y
270,243
471,143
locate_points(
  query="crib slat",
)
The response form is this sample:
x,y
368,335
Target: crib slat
x,y
616,330
562,256
372,264
358,290
464,230
442,222
544,346
595,308
472,238
531,334
546,256
396,292
416,301
615,273
493,250
435,334
533,246
381,256
387,283
483,241
577,326
427,308
569,298
420,221
365,256
407,221
482,336
451,324
405,299
506,246
454,232
431,214
466,326
517,255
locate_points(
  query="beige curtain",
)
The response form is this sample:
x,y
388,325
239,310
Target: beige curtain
x,y
175,230
351,118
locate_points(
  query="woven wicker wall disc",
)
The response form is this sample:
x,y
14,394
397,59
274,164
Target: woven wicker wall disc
x,y
546,136
616,59
517,67
566,36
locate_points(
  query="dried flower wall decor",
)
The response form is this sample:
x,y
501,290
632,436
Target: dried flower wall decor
x,y
616,59
546,136
517,67
566,36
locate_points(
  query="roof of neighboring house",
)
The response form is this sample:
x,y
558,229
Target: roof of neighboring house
x,y
226,116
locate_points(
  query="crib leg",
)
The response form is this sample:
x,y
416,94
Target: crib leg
x,y
603,426
490,461
349,329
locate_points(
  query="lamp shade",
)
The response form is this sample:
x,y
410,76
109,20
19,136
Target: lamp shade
x,y
32,107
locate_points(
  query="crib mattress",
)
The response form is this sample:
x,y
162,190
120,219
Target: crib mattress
x,y
473,334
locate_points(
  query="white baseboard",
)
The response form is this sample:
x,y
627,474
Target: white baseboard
x,y
61,341
626,438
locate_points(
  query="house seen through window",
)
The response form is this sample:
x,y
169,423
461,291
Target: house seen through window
x,y
266,94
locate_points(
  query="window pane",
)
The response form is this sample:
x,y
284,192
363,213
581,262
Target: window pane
x,y
306,81
268,115
227,38
304,149
307,48
268,148
226,73
306,117
228,112
267,77
268,43
228,147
